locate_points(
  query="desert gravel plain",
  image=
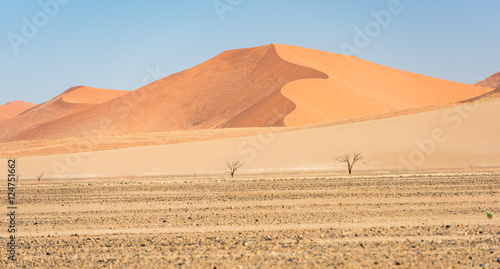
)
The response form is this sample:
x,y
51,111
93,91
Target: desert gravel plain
x,y
434,220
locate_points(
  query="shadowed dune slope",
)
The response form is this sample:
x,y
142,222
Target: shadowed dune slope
x,y
71,101
238,88
14,108
357,87
492,81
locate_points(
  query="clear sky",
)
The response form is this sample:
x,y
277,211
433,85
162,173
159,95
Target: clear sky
x,y
48,46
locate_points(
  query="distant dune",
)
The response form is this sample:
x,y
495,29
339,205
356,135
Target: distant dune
x,y
29,123
14,108
492,81
268,86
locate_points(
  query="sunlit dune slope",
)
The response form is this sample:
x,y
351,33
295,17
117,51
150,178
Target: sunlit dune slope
x,y
356,87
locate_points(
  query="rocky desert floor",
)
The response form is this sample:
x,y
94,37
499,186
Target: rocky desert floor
x,y
380,221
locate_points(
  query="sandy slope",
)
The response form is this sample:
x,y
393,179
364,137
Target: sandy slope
x,y
460,136
75,99
356,87
32,148
492,81
14,108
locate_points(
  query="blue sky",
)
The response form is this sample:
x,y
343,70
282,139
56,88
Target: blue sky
x,y
120,44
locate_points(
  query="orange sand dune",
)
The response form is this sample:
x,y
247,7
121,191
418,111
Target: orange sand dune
x,y
238,88
356,87
14,108
71,101
273,85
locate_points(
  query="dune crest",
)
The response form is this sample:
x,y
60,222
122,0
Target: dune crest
x,y
237,88
69,102
89,95
271,110
14,108
357,88
492,81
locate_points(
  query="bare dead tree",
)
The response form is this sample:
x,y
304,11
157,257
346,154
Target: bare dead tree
x,y
232,167
346,158
39,177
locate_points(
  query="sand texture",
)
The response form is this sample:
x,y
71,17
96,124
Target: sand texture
x,y
419,221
